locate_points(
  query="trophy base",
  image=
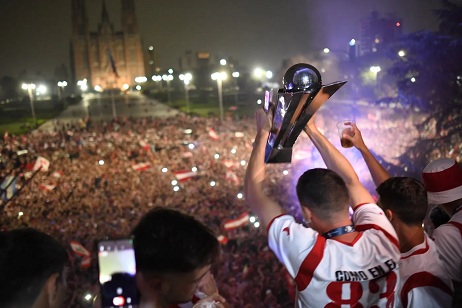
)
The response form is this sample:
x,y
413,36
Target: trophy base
x,y
283,155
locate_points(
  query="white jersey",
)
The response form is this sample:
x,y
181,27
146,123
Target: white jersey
x,y
449,242
424,281
331,273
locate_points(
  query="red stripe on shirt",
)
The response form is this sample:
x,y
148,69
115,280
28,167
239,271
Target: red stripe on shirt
x,y
418,251
312,260
422,279
372,226
271,222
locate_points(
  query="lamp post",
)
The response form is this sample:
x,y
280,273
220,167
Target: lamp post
x,y
219,77
186,79
61,85
168,78
29,87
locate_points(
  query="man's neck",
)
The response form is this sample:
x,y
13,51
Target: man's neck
x,y
409,237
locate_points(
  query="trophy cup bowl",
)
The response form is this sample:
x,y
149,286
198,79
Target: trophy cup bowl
x,y
301,96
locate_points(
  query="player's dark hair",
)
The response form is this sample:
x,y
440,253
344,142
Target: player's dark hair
x,y
405,197
167,240
322,191
28,257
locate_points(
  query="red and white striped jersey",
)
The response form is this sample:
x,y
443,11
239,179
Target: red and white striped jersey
x,y
448,240
424,279
331,273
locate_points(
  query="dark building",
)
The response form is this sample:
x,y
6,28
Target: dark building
x,y
377,32
106,58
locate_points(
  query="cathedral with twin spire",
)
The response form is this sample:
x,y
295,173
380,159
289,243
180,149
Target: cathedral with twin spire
x,y
106,58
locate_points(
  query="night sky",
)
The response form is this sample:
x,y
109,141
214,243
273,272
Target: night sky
x,y
35,34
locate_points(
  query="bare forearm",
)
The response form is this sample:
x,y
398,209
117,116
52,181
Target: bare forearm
x,y
378,172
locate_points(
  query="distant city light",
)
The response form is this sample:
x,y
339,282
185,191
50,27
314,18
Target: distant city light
x,y
258,101
151,48
326,50
375,69
352,42
138,87
125,86
235,74
170,71
223,62
219,76
401,53
269,74
413,79
141,79
98,88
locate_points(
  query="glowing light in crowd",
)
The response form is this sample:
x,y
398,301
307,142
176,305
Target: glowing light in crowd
x,y
176,188
240,195
257,224
98,88
191,146
413,79
138,87
188,131
20,214
101,162
174,182
125,86
164,169
88,297
285,172
213,183
252,219
216,156
352,42
401,53
233,150
194,169
259,101
243,162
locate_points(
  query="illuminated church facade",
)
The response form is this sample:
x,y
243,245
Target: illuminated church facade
x,y
106,58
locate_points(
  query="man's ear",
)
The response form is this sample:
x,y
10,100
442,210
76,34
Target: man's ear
x,y
51,287
146,285
307,214
389,214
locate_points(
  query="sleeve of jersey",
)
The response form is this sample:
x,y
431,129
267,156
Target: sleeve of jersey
x,y
447,240
290,241
427,297
371,216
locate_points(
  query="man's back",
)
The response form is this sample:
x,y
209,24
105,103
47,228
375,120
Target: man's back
x,y
330,271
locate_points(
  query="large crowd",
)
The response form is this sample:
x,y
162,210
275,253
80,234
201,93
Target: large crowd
x,y
103,177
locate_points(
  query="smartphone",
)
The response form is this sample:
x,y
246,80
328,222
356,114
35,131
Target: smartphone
x,y
117,270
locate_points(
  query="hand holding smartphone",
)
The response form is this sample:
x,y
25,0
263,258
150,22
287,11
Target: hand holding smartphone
x,y
117,271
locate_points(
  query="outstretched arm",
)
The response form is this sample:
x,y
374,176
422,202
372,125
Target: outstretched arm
x,y
378,172
335,161
265,208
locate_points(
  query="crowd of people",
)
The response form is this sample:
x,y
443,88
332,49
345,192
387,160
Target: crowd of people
x,y
103,177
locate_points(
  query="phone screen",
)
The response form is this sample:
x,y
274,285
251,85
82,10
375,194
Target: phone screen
x,y
117,269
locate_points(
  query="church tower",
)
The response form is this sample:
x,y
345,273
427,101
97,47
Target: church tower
x,y
106,58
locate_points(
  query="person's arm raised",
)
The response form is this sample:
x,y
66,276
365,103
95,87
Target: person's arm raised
x,y
335,161
378,172
265,208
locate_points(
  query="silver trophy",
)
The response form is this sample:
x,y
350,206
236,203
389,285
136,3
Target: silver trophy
x,y
301,96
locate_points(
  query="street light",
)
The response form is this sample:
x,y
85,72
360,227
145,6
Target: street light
x,y
186,79
375,70
168,78
29,87
219,77
61,85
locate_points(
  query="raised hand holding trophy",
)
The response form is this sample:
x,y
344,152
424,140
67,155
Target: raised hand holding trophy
x,y
301,96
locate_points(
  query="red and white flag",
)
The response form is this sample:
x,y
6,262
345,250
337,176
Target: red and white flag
x,y
79,250
41,162
141,166
237,222
213,134
144,145
185,175
222,239
231,176
47,187
85,263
